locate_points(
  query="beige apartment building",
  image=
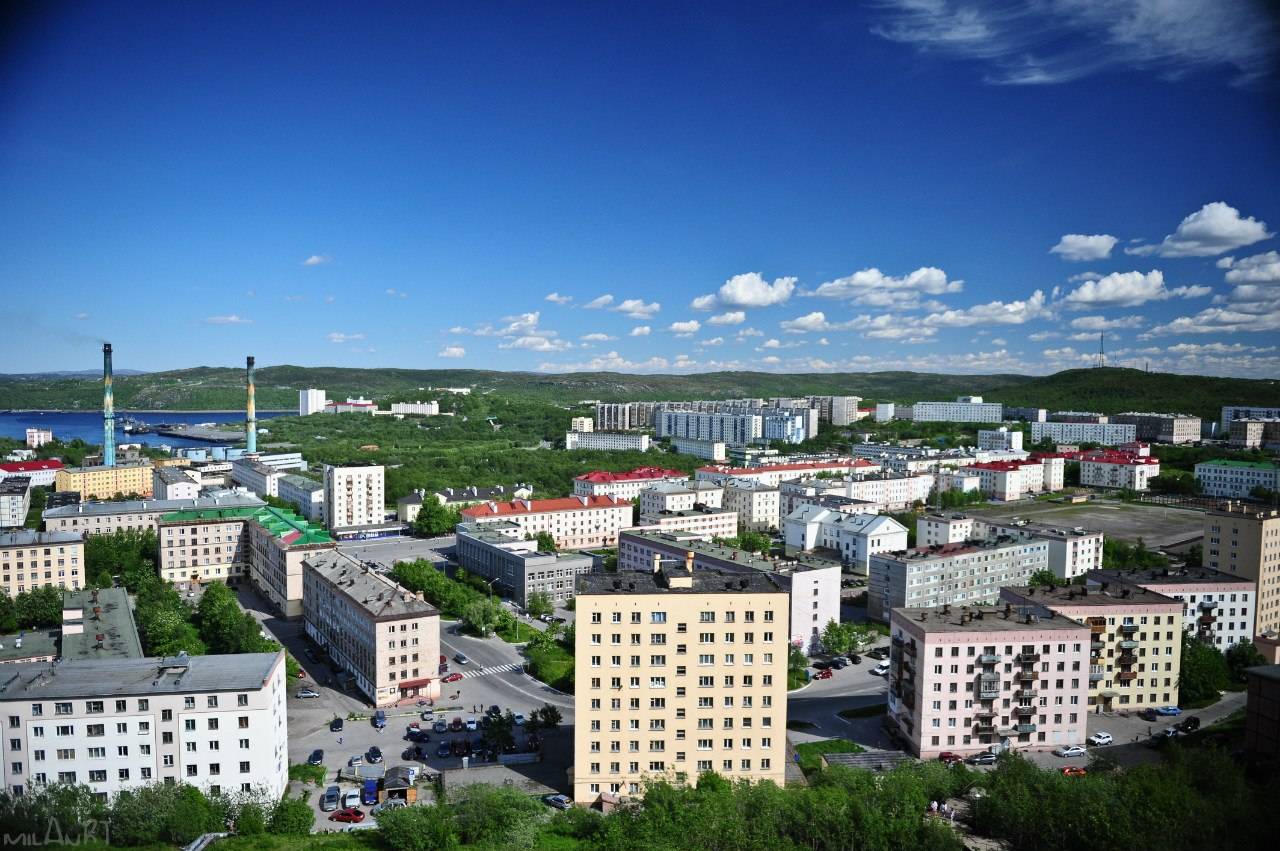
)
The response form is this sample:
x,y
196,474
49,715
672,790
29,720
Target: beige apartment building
x,y
31,559
1135,646
353,496
963,679
703,520
384,636
680,671
1244,541
576,522
105,482
106,518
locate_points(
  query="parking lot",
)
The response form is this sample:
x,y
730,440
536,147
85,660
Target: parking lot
x,y
1157,525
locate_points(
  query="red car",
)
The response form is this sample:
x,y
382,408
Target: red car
x,y
1074,771
352,815
456,725
950,757
452,678
823,675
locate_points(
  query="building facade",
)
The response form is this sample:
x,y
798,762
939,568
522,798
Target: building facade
x,y
757,503
31,559
855,537
1118,470
1237,479
499,551
1107,434
105,482
703,520
1244,541
1218,608
37,437
583,424
680,496
710,450
607,441
575,522
353,496
1000,439
1162,428
1254,434
965,409
417,409
732,429
307,494
262,479
1247,412
106,518
1072,551
41,474
311,401
623,485
173,483
15,501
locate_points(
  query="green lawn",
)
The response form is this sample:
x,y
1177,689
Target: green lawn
x,y
553,665
796,678
356,840
315,773
811,752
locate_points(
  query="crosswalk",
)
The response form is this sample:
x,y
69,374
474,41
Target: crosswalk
x,y
494,669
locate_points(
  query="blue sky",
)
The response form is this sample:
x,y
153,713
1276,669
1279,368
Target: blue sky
x,y
792,187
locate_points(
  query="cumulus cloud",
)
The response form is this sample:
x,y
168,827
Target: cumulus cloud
x,y
744,333
556,298
1128,289
640,331
774,343
1079,247
873,287
317,260
883,327
339,337
1213,229
596,337
535,343
1258,269
815,321
685,329
747,290
1102,323
771,359
1084,276
635,308
1040,336
229,319
1219,320
993,313
732,317
611,361
714,341
452,352
599,302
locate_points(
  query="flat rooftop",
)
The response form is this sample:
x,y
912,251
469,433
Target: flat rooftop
x,y
380,596
137,677
301,482
14,485
102,467
983,619
1243,465
39,642
705,580
161,506
32,538
1166,576
109,616
1082,596
732,557
291,529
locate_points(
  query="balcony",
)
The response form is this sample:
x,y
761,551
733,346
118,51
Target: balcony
x,y
989,659
1024,658
985,729
1025,693
1024,710
988,691
1096,676
1128,645
1207,605
985,713
1128,628
1206,620
1024,728
1026,676
1126,659
1097,625
989,676
1127,676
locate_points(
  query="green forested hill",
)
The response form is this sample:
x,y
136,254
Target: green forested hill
x,y
205,388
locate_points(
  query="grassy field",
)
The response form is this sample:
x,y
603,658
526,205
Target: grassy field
x,y
810,753
1156,525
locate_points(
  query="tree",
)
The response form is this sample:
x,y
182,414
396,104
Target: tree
x,y
1241,656
549,717
539,604
39,607
8,614
435,519
483,614
425,828
192,815
500,734
292,817
546,542
1204,672
497,816
836,637
1044,577
250,821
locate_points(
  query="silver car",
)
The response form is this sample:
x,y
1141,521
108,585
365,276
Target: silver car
x,y
329,801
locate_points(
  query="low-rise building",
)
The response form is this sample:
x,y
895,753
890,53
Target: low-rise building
x,y
1118,470
106,518
1013,480
680,496
1162,428
37,437
500,551
1135,649
711,450
701,520
575,522
216,722
1104,433
1237,479
774,474
383,636
1072,552
307,494
1218,607
623,485
41,474
15,501
966,678
262,479
31,559
853,537
173,483
607,441
757,503
462,497
417,409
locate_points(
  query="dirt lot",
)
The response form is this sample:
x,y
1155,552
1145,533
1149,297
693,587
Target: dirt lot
x,y
1158,526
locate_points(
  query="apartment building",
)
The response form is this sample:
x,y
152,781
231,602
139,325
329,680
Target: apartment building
x,y
701,520
41,474
215,722
710,450
756,502
885,412
1246,412
311,401
1135,648
624,416
37,437
623,485
969,573
385,637
500,551
1254,434
173,483
1262,709
1217,607
1104,433
812,582
1244,541
965,409
1026,414
31,559
416,409
105,518
828,493
774,474
607,441
965,678
1118,470
1237,479
680,496
733,429
634,720
575,522
1162,428
854,537
1013,480
262,479
470,495
1000,439
307,494
15,501
353,496
1072,552
582,424
105,482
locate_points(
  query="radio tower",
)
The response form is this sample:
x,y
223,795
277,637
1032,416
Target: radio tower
x,y
1102,349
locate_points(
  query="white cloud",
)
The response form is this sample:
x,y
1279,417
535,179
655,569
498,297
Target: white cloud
x,y
1084,276
823,341
999,341
732,317
556,298
395,293
744,333
596,337
1102,323
815,321
635,308
81,316
536,344
452,352
774,343
873,287
1079,247
747,290
1041,336
1219,320
714,341
1128,289
1090,336
599,302
611,361
993,313
317,260
685,329
1258,269
339,337
230,319
771,359
1214,228
640,331
883,327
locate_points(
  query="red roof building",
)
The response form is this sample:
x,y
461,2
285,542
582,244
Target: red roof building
x,y
576,522
624,485
27,467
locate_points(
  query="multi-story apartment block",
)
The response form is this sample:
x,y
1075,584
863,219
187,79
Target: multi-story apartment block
x,y
15,501
774,474
1031,415
1118,470
1218,607
679,672
1254,434
311,401
173,483
1012,480
885,412
965,678
41,474
307,494
854,537
417,409
353,496
828,493
105,518
582,424
624,416
965,409
1079,417
262,479
1162,428
969,573
385,637
607,441
215,722
756,502
1237,479
710,450
680,496
623,485
733,429
1072,552
1000,439
575,522
37,437
1246,412
702,520
1135,648
1107,434
31,559
98,624
1244,541
500,551
105,482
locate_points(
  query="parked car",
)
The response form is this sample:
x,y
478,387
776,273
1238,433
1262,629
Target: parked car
x,y
1148,715
456,724
335,726
461,659
442,750
351,815
1068,751
451,678
494,711
820,665
1168,710
880,670
303,694
379,719
950,757
1074,771
356,760
316,758
440,726
855,658
330,799
984,758
823,675
375,755
387,805
369,792
560,802
519,719
839,662
1100,738
1189,724
413,727
472,725
351,799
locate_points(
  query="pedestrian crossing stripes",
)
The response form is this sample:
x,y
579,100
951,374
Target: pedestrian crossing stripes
x,y
494,669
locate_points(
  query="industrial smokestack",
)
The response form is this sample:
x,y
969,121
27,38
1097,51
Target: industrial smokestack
x,y
251,426
108,411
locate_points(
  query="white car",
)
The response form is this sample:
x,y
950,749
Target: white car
x,y
1070,750
471,724
880,670
351,799
1100,739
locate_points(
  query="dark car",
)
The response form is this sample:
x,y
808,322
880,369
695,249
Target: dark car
x,y
839,662
442,750
459,747
316,758
985,758
335,726
1148,715
821,666
375,754
456,724
855,658
440,727
486,722
1189,724
494,711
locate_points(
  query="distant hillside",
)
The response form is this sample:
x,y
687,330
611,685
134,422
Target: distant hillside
x,y
207,388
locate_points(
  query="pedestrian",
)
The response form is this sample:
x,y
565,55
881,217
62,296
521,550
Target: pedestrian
x,y
339,740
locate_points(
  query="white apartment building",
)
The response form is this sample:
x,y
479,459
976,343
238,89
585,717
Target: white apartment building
x,y
31,559
41,474
1072,552
384,636
575,522
353,496
829,493
680,496
1254,434
1012,480
774,474
711,450
1218,608
965,409
15,502
1236,479
884,412
757,503
1118,470
1246,412
1000,439
854,536
733,429
626,485
583,424
311,401
417,409
105,518
215,722
1106,434
37,437
174,483
607,441
307,494
262,479
704,521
